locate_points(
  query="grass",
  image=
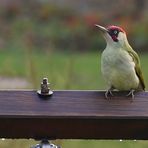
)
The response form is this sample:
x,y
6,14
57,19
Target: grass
x,y
64,71
23,143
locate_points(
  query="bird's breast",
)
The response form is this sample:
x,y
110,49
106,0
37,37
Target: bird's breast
x,y
118,69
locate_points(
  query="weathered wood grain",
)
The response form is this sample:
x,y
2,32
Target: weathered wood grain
x,y
73,115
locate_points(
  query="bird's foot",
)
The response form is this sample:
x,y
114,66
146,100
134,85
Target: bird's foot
x,y
107,93
131,93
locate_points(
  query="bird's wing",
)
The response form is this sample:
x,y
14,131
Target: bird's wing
x,y
138,71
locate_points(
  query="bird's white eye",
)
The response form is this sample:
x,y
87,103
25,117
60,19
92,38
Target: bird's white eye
x,y
115,32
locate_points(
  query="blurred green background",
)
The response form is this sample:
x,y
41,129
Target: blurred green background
x,y
57,39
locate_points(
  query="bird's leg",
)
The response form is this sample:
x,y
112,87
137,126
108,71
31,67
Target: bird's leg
x,y
109,92
131,93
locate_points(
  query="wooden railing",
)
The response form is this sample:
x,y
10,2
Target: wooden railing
x,y
73,115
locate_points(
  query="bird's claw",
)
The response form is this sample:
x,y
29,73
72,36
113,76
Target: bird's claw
x,y
131,93
108,92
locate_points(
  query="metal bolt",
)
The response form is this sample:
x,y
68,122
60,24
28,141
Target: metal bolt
x,y
45,90
44,86
45,144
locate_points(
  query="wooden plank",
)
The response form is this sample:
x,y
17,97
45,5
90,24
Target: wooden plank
x,y
73,115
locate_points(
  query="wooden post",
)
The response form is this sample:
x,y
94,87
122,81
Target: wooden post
x,y
73,115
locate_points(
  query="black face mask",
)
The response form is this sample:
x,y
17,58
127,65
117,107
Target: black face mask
x,y
114,34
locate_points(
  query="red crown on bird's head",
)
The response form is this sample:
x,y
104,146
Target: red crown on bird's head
x,y
112,27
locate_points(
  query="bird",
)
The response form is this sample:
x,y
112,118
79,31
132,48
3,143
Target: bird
x,y
120,64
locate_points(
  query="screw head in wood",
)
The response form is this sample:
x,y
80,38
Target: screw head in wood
x,y
45,90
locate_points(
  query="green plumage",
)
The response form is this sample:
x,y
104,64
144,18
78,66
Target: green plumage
x,y
120,64
138,71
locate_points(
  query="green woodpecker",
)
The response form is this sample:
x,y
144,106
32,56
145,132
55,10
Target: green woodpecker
x,y
120,64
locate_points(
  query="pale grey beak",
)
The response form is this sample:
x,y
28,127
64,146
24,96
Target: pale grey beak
x,y
101,28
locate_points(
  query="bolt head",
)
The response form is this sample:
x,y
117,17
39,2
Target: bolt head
x,y
45,80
